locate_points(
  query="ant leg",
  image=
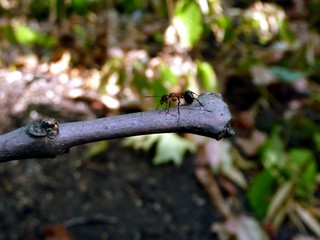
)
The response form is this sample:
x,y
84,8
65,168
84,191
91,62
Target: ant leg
x,y
202,105
193,93
158,106
168,108
179,110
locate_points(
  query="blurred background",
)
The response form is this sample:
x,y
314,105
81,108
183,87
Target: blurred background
x,y
84,59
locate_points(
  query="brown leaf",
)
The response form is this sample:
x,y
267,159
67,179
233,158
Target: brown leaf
x,y
249,146
56,232
205,177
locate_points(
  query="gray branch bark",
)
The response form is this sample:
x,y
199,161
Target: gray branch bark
x,y
46,138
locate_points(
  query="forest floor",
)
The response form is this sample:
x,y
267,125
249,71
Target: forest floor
x,y
118,195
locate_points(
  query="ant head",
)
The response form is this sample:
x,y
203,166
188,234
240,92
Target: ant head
x,y
164,99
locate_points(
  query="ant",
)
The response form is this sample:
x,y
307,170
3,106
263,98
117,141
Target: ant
x,y
187,95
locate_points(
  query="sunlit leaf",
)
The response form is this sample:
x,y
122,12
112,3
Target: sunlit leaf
x,y
25,35
187,21
166,74
172,147
260,192
208,76
169,147
144,142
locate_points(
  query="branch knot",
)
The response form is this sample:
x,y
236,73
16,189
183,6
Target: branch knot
x,y
43,128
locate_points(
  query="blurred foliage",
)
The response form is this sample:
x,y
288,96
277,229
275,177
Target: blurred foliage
x,y
187,21
95,149
262,55
26,36
169,147
283,165
261,192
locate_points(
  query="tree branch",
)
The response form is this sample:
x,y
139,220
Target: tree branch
x,y
47,138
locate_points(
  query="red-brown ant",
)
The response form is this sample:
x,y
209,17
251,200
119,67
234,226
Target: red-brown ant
x,y
188,96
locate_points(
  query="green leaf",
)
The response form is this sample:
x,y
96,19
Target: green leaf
x,y
133,5
167,75
273,155
140,81
304,171
225,23
144,142
285,32
260,193
9,33
208,76
80,6
95,149
46,41
188,23
316,139
158,88
299,158
169,147
172,147
25,35
287,75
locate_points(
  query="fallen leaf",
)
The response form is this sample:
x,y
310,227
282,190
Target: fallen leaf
x,y
172,147
249,146
241,228
308,218
278,201
205,177
56,232
303,237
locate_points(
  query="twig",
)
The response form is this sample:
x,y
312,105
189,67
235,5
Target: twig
x,y
47,138
207,180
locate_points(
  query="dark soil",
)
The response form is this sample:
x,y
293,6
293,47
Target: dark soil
x,y
118,195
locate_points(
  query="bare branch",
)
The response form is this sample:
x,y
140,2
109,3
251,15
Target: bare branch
x,y
47,138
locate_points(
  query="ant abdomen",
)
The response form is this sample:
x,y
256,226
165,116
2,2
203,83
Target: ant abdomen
x,y
188,96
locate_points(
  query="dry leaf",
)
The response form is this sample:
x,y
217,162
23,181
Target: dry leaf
x,y
240,228
310,221
250,146
56,232
205,177
278,201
